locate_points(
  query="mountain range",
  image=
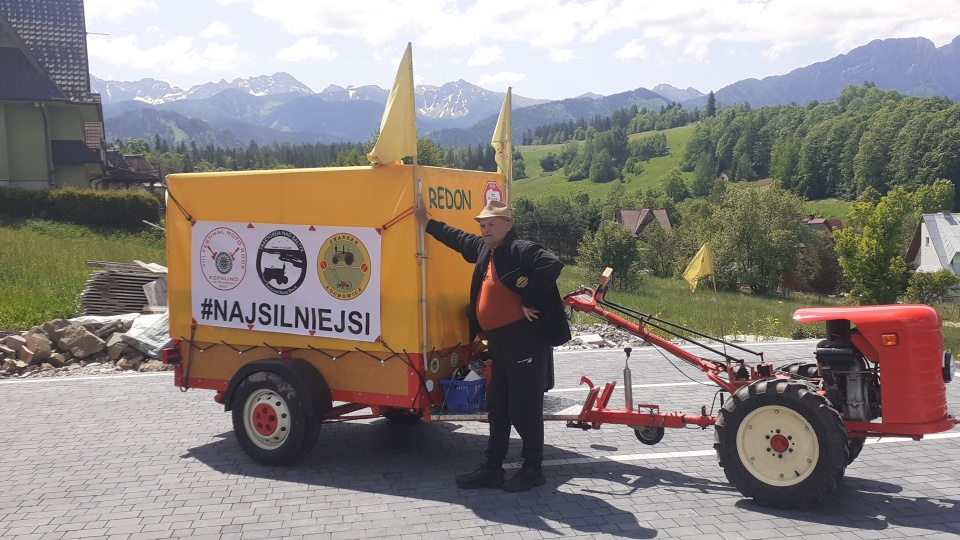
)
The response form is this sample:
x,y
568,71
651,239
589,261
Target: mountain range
x,y
278,107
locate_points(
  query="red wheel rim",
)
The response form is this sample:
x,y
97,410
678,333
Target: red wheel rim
x,y
264,419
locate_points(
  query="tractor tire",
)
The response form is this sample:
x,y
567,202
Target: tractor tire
x,y
781,443
854,447
808,370
403,416
270,422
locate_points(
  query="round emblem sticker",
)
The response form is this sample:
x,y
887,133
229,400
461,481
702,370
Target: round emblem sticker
x,y
343,266
281,262
223,258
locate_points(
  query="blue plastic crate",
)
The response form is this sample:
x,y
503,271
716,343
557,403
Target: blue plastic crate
x,y
466,397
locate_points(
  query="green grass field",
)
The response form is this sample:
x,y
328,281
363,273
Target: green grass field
x,y
42,268
829,208
704,310
540,184
42,273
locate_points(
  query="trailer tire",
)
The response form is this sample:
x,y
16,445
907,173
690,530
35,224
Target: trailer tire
x,y
403,416
270,421
649,435
781,443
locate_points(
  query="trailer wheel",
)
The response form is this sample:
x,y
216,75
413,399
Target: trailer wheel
x,y
649,435
854,447
781,443
403,416
270,422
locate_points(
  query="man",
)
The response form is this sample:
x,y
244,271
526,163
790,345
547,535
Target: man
x,y
515,303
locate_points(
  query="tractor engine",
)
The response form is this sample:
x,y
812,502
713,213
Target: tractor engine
x,y
851,382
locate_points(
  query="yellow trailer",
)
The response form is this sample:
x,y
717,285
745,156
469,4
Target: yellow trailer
x,y
303,295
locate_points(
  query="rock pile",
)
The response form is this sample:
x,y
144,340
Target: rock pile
x,y
61,345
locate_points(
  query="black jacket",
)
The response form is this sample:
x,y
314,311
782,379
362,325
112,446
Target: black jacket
x,y
524,267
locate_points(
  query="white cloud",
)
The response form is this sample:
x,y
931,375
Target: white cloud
x,y
485,56
216,29
176,55
109,10
633,50
501,77
778,26
306,49
694,26
562,56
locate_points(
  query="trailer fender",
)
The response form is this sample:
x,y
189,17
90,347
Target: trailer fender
x,y
305,379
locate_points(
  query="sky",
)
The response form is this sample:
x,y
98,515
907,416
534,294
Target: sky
x,y
545,49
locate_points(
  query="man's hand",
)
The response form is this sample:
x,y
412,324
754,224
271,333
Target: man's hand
x,y
420,210
530,313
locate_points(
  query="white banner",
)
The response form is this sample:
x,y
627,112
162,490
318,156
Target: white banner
x,y
292,279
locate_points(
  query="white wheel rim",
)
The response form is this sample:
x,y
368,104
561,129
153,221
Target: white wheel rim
x,y
266,419
778,446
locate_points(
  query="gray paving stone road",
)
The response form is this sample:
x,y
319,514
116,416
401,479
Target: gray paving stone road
x,y
131,457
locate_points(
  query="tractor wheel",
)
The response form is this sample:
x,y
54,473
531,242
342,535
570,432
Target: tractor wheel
x,y
649,435
803,369
403,416
854,446
270,422
781,443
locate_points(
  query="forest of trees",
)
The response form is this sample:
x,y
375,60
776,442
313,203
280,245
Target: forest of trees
x,y
604,156
630,120
194,158
866,138
894,156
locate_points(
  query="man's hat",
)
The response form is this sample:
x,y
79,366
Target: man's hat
x,y
495,208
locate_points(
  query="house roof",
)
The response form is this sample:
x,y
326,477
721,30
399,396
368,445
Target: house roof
x,y
73,151
22,80
637,220
130,168
54,34
823,224
944,231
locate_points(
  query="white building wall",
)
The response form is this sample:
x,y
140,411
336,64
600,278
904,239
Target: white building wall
x,y
928,259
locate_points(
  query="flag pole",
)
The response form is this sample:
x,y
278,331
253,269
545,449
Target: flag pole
x,y
509,179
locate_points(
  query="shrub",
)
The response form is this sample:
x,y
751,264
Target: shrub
x,y
22,203
112,209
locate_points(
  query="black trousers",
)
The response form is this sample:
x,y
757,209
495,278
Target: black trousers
x,y
520,355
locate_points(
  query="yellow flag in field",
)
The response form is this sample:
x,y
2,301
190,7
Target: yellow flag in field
x,y
502,137
398,129
701,266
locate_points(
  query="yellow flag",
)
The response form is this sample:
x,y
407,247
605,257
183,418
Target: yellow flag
x,y
398,129
502,135
701,266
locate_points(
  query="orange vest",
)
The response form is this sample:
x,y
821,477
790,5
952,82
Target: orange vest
x,y
496,305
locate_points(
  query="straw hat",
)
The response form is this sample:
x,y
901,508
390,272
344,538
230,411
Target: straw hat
x,y
495,208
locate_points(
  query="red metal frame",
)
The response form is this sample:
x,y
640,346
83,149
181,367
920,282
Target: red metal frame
x,y
927,411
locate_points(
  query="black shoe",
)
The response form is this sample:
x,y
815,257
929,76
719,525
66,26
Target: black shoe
x,y
529,476
484,476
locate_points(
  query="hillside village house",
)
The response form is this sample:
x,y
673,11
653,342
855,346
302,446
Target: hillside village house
x,y
637,220
936,243
51,125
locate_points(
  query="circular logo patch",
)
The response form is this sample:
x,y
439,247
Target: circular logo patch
x,y
281,262
343,266
223,258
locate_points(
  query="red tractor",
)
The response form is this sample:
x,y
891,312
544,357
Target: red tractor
x,y
785,435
